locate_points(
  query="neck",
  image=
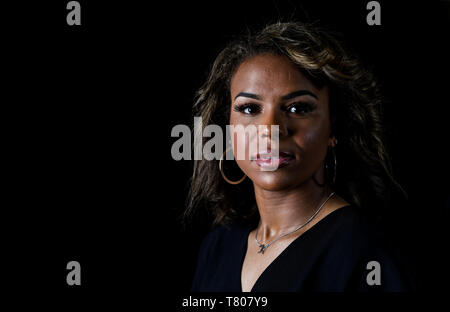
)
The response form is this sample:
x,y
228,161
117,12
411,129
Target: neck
x,y
282,211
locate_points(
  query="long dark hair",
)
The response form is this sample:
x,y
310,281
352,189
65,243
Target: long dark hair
x,y
364,175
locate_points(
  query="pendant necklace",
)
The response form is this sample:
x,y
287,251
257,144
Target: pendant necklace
x,y
263,247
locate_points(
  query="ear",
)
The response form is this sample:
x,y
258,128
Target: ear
x,y
332,141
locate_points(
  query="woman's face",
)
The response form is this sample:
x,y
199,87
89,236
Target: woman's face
x,y
267,90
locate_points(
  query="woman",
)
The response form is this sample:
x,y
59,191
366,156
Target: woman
x,y
299,227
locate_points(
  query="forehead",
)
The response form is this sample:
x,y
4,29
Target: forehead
x,y
269,75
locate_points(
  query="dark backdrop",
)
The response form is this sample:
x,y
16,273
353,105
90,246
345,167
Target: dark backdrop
x,y
93,108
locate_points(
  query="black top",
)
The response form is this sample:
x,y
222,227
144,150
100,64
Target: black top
x,y
331,256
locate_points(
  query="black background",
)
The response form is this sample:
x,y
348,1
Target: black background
x,y
92,108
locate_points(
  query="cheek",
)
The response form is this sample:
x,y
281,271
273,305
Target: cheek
x,y
238,119
238,145
240,139
312,138
309,136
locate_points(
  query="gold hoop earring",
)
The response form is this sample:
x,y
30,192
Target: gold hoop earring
x,y
328,180
333,180
223,174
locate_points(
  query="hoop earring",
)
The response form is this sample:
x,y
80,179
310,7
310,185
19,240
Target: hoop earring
x,y
333,180
223,174
327,170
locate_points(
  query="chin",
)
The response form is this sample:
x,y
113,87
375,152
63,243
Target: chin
x,y
274,181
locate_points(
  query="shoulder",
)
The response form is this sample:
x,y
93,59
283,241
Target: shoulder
x,y
345,223
224,236
218,258
359,244
350,231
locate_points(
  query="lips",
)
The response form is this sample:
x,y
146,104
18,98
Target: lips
x,y
274,160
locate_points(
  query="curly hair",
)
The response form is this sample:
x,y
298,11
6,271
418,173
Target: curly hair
x,y
364,174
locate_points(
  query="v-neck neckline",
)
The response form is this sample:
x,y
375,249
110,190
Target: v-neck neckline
x,y
286,250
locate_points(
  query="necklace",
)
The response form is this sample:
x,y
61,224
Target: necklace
x,y
263,247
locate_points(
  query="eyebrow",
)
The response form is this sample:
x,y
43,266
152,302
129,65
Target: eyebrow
x,y
298,93
284,97
249,95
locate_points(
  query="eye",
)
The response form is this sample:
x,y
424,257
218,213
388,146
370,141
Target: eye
x,y
247,109
300,108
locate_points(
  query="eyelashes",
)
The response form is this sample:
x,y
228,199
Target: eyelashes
x,y
248,108
297,108
301,108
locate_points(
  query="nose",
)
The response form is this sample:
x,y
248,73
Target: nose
x,y
272,118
